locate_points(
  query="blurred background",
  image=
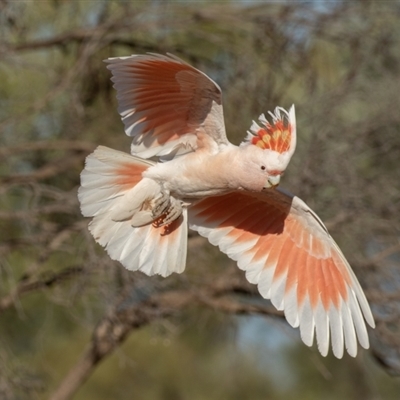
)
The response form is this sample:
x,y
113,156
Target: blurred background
x,y
73,323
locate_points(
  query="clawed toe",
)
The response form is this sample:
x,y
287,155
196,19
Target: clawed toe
x,y
172,213
161,203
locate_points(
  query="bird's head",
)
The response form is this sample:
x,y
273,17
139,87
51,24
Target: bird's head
x,y
271,146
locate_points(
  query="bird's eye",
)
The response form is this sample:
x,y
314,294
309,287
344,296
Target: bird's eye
x,y
263,167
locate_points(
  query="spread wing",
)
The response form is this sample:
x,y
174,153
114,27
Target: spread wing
x,y
163,101
286,250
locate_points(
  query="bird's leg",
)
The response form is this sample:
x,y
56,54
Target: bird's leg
x,y
165,208
174,211
161,203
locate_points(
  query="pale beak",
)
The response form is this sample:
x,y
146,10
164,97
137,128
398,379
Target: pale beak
x,y
272,181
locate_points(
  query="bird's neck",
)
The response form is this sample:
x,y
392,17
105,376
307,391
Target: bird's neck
x,y
224,170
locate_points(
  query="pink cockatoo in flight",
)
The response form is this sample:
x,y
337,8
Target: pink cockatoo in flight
x,y
184,172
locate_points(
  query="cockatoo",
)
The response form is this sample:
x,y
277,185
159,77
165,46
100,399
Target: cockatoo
x,y
183,171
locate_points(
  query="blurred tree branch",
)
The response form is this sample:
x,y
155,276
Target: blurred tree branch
x,y
27,285
113,329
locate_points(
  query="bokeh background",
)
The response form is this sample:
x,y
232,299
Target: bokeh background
x,y
73,323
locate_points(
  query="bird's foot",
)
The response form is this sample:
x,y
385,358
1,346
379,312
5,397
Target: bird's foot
x,y
161,203
173,212
165,208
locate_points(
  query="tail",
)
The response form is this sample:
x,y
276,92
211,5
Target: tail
x,y
114,192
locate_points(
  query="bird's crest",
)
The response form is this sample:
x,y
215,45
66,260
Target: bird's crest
x,y
278,135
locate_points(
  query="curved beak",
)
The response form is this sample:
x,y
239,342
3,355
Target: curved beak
x,y
272,181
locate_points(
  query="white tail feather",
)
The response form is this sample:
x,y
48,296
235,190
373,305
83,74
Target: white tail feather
x,y
113,191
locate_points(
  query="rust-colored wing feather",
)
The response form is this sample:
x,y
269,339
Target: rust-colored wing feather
x,y
286,250
163,101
